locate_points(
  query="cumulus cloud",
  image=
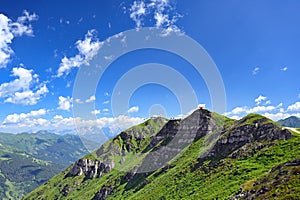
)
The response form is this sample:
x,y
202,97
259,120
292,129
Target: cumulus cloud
x,y
274,112
133,109
280,115
162,12
255,70
246,110
17,118
10,29
21,90
36,120
294,107
87,49
137,11
91,99
64,103
238,110
260,99
258,109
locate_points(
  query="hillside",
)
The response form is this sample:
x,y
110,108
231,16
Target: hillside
x,y
20,172
62,150
204,156
29,160
292,121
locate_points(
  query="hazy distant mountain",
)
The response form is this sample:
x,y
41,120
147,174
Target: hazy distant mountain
x,y
290,122
250,158
29,159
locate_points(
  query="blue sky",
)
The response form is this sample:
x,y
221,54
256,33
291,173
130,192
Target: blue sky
x,y
43,45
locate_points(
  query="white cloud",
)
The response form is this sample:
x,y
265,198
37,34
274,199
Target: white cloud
x,y
161,12
95,112
161,19
21,90
91,99
105,110
34,122
110,57
133,109
64,103
294,107
260,99
87,49
236,117
16,118
255,70
271,111
238,110
258,109
280,115
105,102
78,101
137,11
284,69
10,29
245,110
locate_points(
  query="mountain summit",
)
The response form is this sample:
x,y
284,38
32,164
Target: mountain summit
x,y
292,121
205,155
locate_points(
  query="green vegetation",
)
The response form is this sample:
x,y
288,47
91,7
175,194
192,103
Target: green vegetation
x,y
29,160
186,176
62,150
20,173
252,119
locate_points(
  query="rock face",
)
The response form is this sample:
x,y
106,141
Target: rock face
x,y
90,168
103,193
244,133
175,136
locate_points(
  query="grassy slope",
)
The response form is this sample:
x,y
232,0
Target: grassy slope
x,y
62,150
20,173
183,179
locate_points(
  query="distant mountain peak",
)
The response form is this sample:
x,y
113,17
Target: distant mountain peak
x,y
292,121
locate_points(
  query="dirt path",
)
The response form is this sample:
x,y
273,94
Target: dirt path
x,y
293,129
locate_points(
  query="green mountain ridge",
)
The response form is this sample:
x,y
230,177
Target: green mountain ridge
x,y
203,156
27,160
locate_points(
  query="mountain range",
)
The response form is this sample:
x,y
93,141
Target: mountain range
x,y
292,121
203,156
27,160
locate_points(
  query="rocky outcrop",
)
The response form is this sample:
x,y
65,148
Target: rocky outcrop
x,y
175,136
103,193
90,168
236,138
